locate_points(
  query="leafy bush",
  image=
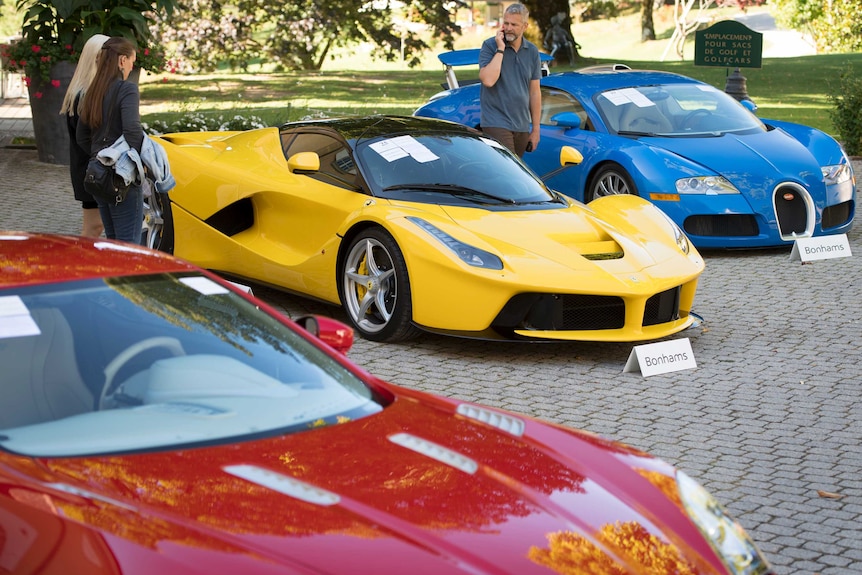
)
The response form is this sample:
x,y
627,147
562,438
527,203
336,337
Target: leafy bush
x,y
197,122
834,25
56,30
846,113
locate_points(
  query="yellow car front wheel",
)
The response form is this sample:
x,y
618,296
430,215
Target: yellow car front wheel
x,y
375,288
158,227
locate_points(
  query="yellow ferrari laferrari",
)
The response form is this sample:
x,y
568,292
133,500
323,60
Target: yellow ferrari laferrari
x,y
412,224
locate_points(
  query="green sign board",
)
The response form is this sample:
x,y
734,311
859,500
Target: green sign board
x,y
730,44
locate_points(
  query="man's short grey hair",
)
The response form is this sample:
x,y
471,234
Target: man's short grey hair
x,y
519,8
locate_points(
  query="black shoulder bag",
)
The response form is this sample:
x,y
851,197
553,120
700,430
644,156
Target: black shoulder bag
x,y
101,181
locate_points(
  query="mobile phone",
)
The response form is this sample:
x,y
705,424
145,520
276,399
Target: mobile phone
x,y
529,146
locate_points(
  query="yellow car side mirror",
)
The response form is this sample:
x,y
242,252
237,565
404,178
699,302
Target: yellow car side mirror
x,y
570,156
304,163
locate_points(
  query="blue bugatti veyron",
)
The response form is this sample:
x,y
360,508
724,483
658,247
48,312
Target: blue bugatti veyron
x,y
725,176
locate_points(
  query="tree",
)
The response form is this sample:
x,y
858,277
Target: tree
x,y
647,26
206,33
542,11
834,24
300,35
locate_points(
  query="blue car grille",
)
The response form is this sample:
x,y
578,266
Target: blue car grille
x,y
837,215
791,211
736,225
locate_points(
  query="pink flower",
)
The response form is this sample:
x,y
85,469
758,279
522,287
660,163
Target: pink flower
x,y
36,49
146,51
27,80
69,47
164,79
38,94
55,83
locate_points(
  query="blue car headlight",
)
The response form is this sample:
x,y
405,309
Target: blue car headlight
x,y
707,185
469,254
837,174
727,537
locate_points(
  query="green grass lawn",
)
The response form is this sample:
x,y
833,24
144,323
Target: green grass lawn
x,y
795,89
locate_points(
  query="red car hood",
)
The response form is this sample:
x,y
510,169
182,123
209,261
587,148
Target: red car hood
x,y
417,488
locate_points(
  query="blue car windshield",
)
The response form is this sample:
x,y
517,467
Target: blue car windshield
x,y
155,362
447,168
674,110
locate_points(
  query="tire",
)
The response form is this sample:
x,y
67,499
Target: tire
x,y
158,231
375,289
610,180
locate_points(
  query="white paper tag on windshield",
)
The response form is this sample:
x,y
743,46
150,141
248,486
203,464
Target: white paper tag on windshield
x,y
493,143
204,285
401,147
626,96
15,318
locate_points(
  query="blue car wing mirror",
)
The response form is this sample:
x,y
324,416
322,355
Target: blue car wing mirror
x,y
567,120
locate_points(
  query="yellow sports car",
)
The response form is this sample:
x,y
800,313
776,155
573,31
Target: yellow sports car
x,y
414,224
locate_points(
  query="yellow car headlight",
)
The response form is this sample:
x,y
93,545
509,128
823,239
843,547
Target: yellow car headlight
x,y
469,254
682,241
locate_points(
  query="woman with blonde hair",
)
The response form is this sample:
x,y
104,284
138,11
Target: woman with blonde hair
x,y
84,72
111,109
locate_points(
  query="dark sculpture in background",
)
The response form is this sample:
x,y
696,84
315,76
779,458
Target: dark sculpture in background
x,y
558,39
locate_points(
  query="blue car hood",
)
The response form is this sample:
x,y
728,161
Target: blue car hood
x,y
754,163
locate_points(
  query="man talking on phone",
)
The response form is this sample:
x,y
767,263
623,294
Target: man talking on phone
x,y
510,70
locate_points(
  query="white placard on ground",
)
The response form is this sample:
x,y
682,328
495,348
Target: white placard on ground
x,y
820,248
662,357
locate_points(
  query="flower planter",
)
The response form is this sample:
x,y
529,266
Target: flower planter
x,y
49,127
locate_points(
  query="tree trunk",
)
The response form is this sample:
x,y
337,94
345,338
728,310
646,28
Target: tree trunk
x,y
541,12
647,26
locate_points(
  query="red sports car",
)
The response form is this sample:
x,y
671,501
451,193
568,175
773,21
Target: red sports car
x,y
157,419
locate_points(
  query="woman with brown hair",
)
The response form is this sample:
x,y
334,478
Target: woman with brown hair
x,y
110,109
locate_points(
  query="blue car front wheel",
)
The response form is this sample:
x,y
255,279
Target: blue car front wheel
x,y
609,180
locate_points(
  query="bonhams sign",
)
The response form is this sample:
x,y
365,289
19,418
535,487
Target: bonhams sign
x,y
730,44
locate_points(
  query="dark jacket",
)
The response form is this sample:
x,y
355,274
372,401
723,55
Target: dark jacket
x,y
126,120
78,156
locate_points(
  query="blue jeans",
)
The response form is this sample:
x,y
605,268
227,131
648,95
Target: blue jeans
x,y
125,220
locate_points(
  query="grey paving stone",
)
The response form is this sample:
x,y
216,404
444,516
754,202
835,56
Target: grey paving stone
x,y
772,412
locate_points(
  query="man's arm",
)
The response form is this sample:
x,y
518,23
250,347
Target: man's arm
x,y
490,72
535,111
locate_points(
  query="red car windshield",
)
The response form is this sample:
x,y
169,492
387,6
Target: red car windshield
x,y
152,362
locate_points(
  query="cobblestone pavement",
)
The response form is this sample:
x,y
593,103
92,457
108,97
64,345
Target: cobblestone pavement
x,y
770,421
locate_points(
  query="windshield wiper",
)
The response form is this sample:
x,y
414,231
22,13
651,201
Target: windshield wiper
x,y
452,189
710,134
638,134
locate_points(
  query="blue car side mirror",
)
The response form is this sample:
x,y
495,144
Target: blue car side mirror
x,y
567,120
749,105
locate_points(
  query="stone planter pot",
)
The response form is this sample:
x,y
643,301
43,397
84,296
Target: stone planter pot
x,y
49,127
